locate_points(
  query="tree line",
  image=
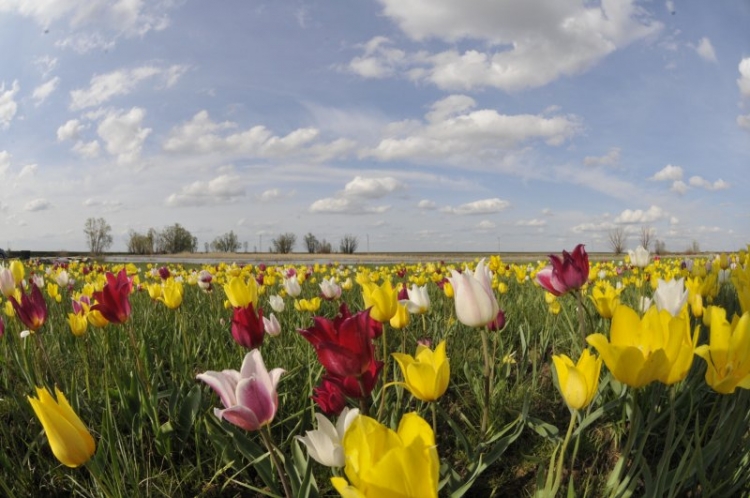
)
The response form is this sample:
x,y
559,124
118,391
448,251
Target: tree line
x,y
176,238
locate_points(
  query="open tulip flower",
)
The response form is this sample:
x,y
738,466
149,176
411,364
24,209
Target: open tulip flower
x,y
418,300
249,396
671,295
32,310
113,301
565,274
578,382
240,293
329,289
381,462
605,299
426,374
640,351
640,257
728,352
329,397
382,300
171,293
476,304
70,440
324,444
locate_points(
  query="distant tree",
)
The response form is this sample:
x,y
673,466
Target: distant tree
x,y
206,247
311,243
617,240
226,243
646,233
176,239
284,243
244,245
324,247
139,243
98,235
694,248
348,244
660,247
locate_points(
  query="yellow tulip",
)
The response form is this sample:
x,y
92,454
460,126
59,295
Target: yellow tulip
x,y
381,462
448,290
381,299
171,294
426,375
578,382
728,352
18,271
96,319
605,299
53,291
311,305
401,318
69,439
78,323
640,351
241,293
154,290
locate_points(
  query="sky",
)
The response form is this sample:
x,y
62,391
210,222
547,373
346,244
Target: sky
x,y
413,125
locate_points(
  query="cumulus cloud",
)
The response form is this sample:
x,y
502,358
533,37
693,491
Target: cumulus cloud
x,y
611,158
37,205
486,225
344,205
71,130
629,216
87,150
28,170
222,189
679,186
483,206
104,87
538,41
270,195
123,134
699,182
44,90
8,105
372,188
535,222
668,173
705,50
744,80
353,198
426,204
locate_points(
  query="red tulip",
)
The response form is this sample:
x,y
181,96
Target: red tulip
x,y
32,311
351,386
247,327
113,301
329,398
565,274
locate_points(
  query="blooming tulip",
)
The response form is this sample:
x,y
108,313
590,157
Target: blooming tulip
x,y
330,289
247,327
171,293
78,323
329,397
249,396
476,304
32,310
671,296
69,439
418,301
292,286
640,351
113,301
401,318
728,352
605,299
381,462
241,293
324,444
427,373
578,382
639,257
565,274
272,325
277,303
382,300
204,280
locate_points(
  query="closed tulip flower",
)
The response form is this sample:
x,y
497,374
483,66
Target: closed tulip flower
x,y
671,295
277,303
476,304
381,462
78,323
418,300
401,318
640,351
249,396
324,444
565,274
68,437
171,293
640,257
426,374
381,299
272,325
248,327
32,310
605,299
330,289
578,382
18,271
292,286
7,282
113,301
727,354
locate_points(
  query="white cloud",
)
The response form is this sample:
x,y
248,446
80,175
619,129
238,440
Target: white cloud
x,y
28,170
697,181
222,189
270,195
484,206
426,204
706,50
593,227
4,162
538,41
535,222
343,205
611,158
668,173
679,186
744,80
87,150
37,205
123,135
71,130
46,64
44,90
8,105
103,87
372,188
630,216
743,121
486,225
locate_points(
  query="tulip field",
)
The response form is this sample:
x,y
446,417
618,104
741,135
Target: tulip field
x,y
621,376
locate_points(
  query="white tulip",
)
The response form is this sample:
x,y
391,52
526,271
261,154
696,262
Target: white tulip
x,y
324,444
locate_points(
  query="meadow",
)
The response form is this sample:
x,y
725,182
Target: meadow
x,y
623,376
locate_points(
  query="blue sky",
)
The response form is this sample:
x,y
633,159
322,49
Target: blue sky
x,y
415,125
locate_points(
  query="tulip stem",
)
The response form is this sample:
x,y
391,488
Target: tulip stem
x,y
434,417
581,316
265,433
385,374
486,373
558,472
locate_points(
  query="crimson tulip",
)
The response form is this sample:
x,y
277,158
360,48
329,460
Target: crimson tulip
x,y
329,397
32,310
565,274
248,328
113,301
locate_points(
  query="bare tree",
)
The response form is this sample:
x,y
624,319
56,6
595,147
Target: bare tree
x,y
617,240
324,247
660,247
139,243
646,233
98,235
226,243
311,243
348,244
284,243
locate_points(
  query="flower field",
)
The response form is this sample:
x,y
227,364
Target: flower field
x,y
563,377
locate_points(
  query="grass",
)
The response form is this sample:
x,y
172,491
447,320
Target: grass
x,y
134,386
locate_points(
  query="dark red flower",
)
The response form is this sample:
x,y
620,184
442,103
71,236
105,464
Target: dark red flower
x,y
403,293
329,398
344,345
2,327
113,301
32,311
565,274
247,327
164,272
498,323
350,385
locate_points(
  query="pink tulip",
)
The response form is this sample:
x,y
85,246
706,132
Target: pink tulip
x,y
249,396
565,274
476,304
